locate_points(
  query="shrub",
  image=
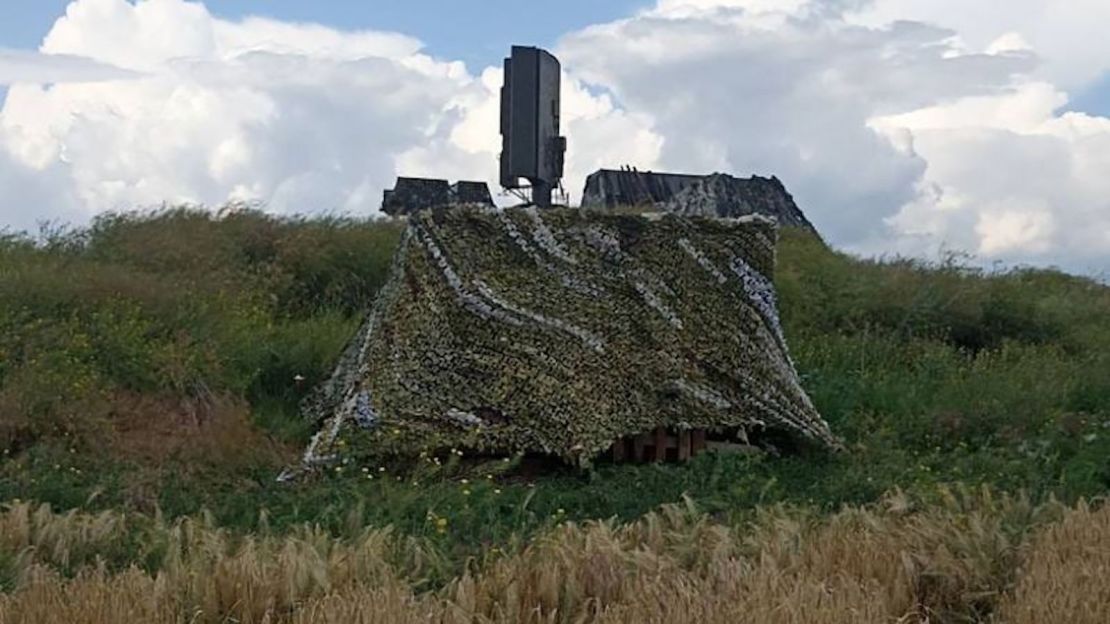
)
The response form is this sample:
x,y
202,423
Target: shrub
x,y
179,304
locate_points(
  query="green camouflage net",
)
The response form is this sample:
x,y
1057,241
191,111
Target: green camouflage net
x,y
560,331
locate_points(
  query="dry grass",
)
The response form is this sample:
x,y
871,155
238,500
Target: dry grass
x,y
952,561
93,596
1066,576
211,430
35,536
862,565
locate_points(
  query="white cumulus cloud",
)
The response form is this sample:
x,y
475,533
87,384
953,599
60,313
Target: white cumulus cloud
x,y
896,136
204,110
23,66
1068,35
793,100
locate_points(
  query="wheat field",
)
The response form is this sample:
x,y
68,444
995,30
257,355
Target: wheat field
x,y
969,556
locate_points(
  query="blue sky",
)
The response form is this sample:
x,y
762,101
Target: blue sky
x,y
1093,99
23,23
476,32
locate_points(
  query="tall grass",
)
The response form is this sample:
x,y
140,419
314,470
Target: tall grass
x,y
156,360
151,366
1063,577
180,305
898,560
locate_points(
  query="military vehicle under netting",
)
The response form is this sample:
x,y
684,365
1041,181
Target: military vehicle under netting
x,y
562,332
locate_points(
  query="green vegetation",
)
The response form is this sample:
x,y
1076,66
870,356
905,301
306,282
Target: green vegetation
x,y
151,363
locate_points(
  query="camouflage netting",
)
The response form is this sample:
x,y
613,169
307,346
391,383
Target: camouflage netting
x,y
561,331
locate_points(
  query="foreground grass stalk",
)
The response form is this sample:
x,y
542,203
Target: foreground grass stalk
x,y
967,556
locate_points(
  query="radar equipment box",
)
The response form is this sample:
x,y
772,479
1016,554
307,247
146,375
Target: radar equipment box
x,y
531,147
410,195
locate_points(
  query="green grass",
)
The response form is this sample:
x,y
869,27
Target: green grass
x,y
140,325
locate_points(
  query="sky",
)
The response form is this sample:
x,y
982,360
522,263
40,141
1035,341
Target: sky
x,y
903,127
477,32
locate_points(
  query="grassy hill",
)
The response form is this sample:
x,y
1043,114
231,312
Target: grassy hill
x,y
151,366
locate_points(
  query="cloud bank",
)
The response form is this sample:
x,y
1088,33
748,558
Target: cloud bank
x,y
896,136
22,66
189,108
